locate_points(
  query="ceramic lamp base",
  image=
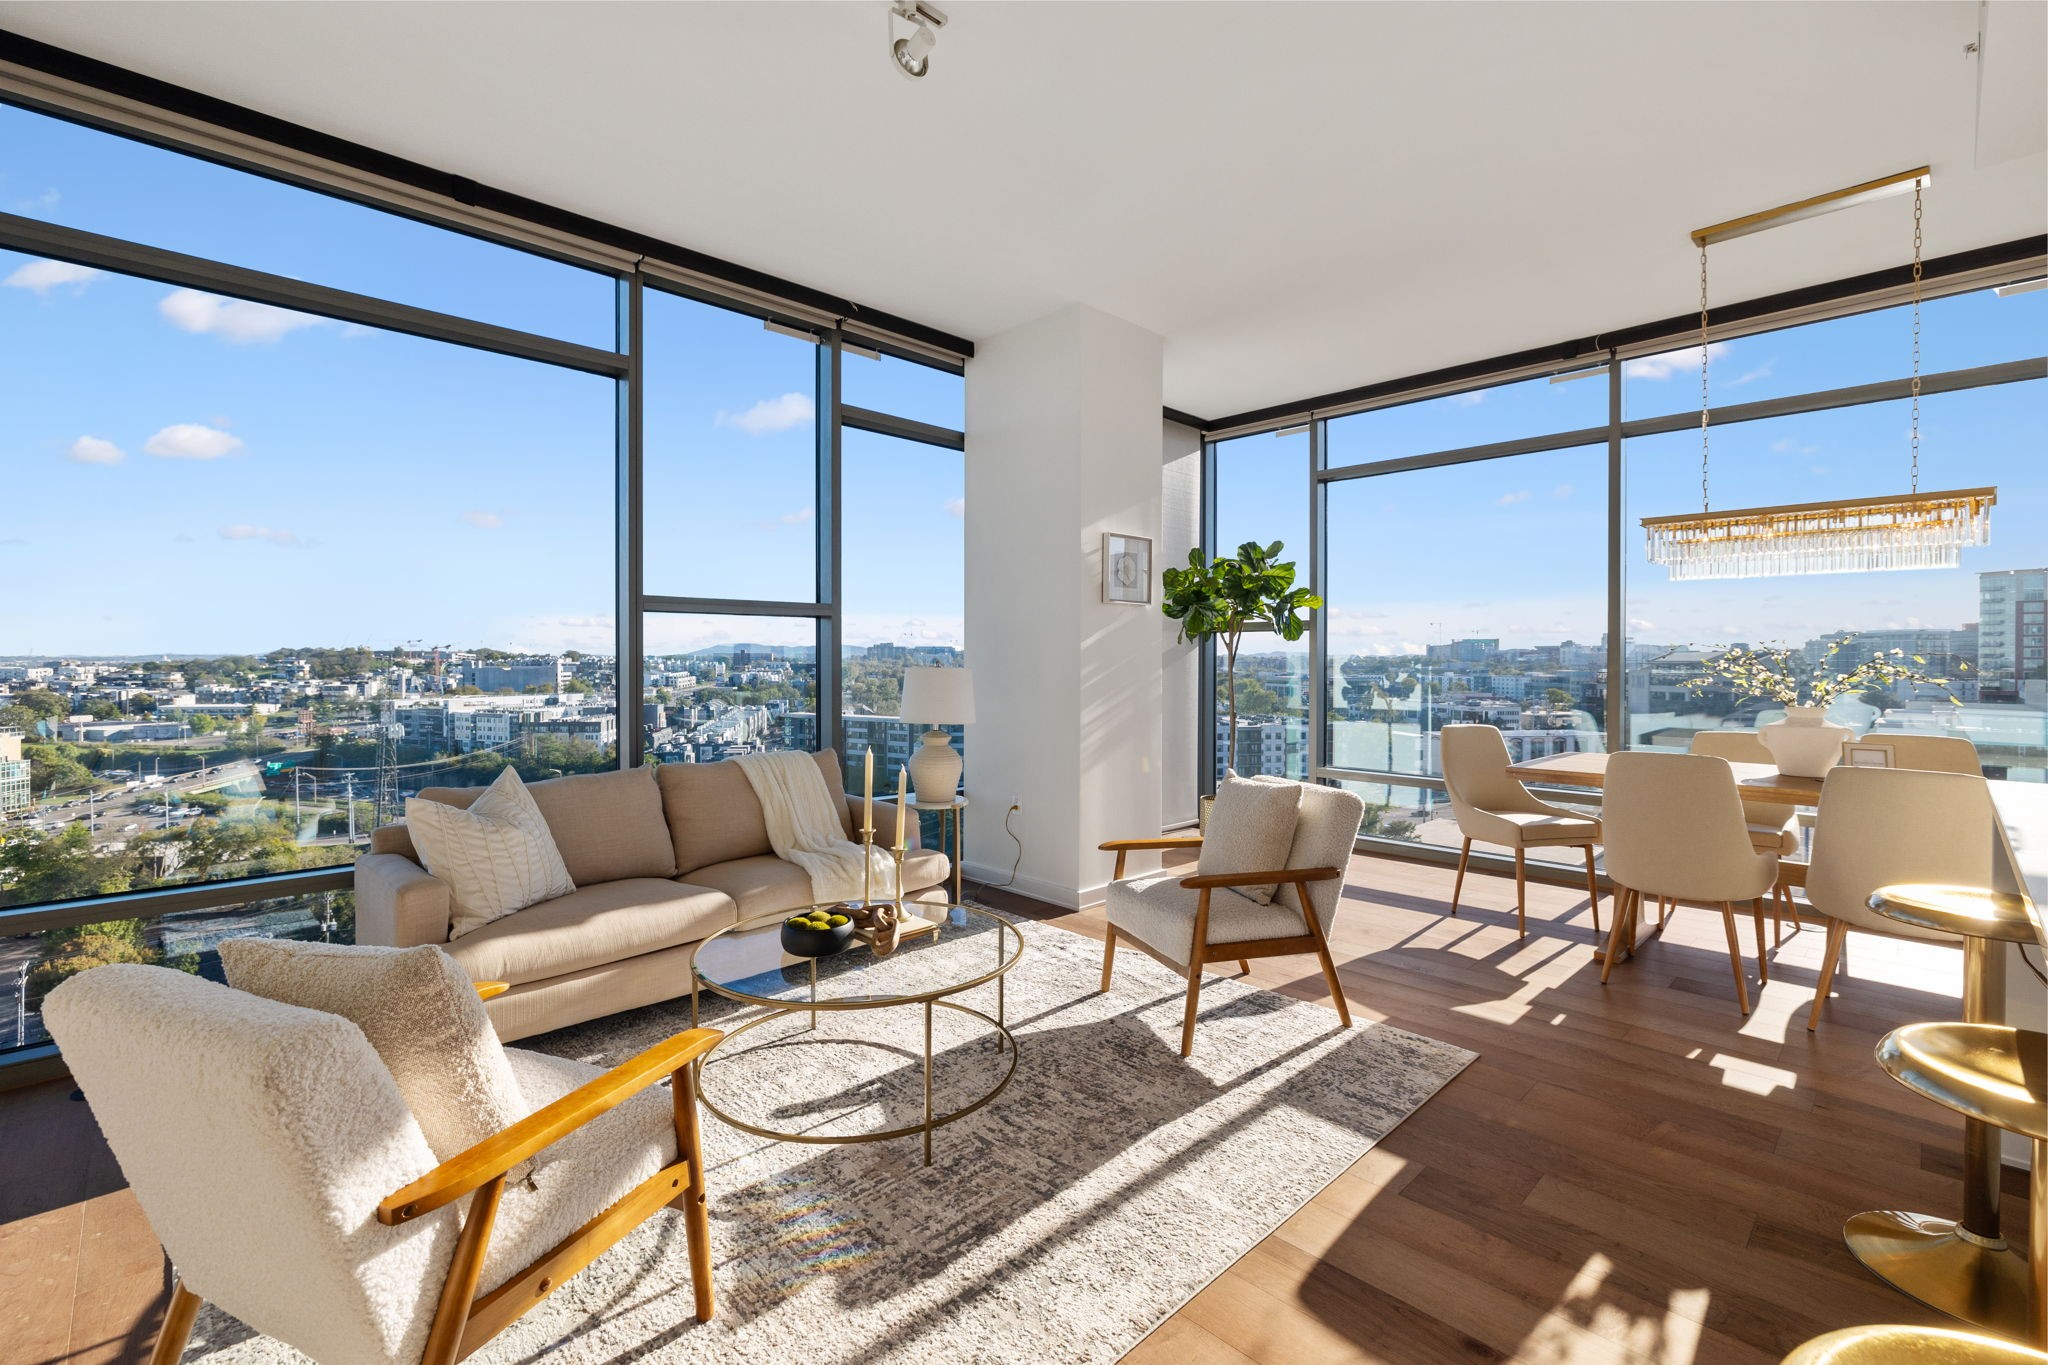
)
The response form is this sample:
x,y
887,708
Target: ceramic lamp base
x,y
935,769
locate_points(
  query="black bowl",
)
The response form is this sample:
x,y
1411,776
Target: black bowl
x,y
801,942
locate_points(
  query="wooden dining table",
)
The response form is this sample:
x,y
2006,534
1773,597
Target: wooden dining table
x,y
1755,781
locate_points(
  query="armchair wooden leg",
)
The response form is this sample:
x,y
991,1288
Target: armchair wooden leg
x,y
1521,895
1763,964
695,1206
458,1291
1108,956
1196,945
1592,890
1244,965
1329,966
1735,956
1624,901
1838,931
1464,856
177,1328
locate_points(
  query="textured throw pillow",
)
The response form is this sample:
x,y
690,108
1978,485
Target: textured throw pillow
x,y
1251,829
497,856
419,1011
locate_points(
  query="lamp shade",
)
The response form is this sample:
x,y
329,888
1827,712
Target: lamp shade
x,y
938,696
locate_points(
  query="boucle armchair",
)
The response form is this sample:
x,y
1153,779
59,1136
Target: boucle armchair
x,y
1187,922
290,1184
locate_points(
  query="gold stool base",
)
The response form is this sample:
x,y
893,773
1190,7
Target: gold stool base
x,y
1929,1259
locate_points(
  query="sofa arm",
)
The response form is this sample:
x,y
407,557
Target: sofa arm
x,y
398,905
885,823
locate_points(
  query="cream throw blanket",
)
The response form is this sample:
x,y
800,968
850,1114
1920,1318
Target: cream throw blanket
x,y
803,828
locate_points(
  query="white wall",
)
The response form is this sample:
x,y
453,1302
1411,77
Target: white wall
x,y
1063,422
1180,530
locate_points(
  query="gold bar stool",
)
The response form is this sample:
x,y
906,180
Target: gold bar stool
x,y
1917,1345
1963,1267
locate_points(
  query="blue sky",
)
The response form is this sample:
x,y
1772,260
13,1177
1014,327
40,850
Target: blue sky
x,y
195,474
1515,548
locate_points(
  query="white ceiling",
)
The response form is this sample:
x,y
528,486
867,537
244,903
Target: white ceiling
x,y
1298,197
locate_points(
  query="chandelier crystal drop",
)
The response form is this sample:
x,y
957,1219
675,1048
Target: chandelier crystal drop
x,y
1911,530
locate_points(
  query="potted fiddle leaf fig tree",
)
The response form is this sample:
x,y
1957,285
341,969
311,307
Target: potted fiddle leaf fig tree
x,y
1224,598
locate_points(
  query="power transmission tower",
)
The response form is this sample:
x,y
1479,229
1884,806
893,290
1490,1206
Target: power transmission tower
x,y
388,731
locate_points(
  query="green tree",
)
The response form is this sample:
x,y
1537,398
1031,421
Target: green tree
x,y
65,953
64,864
1557,696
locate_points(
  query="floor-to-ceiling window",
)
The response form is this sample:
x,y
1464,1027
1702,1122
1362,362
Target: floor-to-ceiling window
x,y
1482,558
314,505
1260,482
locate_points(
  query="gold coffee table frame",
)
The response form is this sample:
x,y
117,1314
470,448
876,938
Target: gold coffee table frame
x,y
1006,1042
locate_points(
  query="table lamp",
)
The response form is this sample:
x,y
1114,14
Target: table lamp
x,y
937,696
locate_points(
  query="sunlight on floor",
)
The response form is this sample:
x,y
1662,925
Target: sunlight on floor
x,y
1741,1073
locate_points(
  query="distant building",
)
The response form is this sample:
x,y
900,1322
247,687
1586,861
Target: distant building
x,y
2012,636
14,770
1465,651
548,675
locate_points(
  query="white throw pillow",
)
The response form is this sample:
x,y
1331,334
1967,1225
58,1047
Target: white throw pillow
x,y
1251,829
497,856
419,1011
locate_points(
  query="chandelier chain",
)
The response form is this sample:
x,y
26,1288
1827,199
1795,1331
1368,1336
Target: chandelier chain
x,y
1916,339
1706,504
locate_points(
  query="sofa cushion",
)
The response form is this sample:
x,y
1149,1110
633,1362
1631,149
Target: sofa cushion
x,y
607,825
418,1012
591,927
714,816
766,885
497,854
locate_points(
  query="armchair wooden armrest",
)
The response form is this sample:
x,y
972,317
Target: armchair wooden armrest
x,y
1285,874
1123,848
490,1159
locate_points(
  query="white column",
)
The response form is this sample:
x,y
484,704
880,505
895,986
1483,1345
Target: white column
x,y
1180,531
1063,423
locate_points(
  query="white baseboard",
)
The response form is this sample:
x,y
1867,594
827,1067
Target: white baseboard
x,y
1052,893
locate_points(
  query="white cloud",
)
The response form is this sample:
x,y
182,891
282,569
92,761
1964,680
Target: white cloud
x,y
264,533
191,441
93,450
956,507
1762,371
1510,499
1668,363
1785,445
43,276
1468,400
770,415
1637,623
1563,490
237,320
38,203
484,521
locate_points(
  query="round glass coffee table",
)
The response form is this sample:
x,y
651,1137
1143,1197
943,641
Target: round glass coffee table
x,y
969,948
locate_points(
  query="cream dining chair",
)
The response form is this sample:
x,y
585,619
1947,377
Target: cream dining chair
x,y
1930,753
1773,828
1674,829
1493,808
1887,826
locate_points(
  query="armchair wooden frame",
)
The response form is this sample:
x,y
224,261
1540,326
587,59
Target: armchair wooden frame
x,y
1201,952
464,1321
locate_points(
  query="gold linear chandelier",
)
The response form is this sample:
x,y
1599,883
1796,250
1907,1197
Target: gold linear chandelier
x,y
1912,530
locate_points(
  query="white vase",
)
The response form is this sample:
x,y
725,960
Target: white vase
x,y
1805,743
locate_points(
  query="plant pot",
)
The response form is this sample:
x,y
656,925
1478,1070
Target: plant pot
x,y
1805,743
801,942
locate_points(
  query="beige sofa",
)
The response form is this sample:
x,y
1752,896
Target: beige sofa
x,y
661,857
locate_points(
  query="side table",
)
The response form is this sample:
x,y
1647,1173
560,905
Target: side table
x,y
948,811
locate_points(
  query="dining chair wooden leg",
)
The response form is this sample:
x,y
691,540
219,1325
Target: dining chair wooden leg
x,y
1838,932
1663,909
1196,945
1735,956
1763,966
177,1328
1464,856
1108,956
1623,897
1521,895
1592,890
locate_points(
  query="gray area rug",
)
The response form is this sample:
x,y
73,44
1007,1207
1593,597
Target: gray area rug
x,y
1060,1223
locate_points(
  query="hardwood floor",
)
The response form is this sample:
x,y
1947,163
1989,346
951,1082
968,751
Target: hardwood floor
x,y
1628,1173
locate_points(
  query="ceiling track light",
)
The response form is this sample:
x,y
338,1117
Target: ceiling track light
x,y
912,54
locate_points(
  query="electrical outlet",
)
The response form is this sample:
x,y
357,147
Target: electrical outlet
x,y
1017,803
